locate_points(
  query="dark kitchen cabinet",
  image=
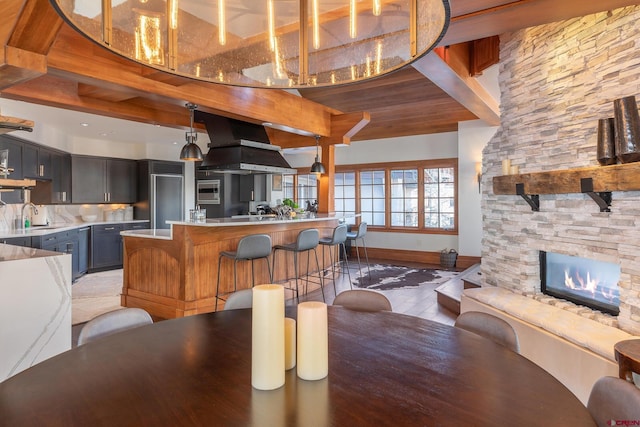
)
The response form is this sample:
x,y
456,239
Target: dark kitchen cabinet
x,y
15,162
106,247
18,241
36,161
66,242
83,250
103,180
247,187
58,189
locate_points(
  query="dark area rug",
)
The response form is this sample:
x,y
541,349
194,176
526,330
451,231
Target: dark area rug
x,y
389,277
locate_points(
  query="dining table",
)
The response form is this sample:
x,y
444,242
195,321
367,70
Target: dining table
x,y
385,369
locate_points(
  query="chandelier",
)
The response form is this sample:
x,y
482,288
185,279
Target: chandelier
x,y
264,43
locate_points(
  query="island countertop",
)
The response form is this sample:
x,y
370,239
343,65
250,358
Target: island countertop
x,y
250,220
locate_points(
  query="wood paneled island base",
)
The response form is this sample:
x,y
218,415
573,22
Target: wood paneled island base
x,y
174,274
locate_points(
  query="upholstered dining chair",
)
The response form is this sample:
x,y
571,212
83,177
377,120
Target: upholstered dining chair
x,y
239,299
613,398
113,322
362,300
490,327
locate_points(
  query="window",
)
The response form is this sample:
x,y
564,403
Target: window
x,y
372,197
439,198
287,186
307,190
404,198
409,197
345,194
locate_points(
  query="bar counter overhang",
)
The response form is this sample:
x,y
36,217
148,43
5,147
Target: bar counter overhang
x,y
173,273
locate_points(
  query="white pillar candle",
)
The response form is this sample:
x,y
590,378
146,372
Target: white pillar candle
x,y
506,167
289,343
313,341
267,337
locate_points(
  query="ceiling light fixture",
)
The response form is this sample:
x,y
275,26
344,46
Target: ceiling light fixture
x,y
317,167
191,152
277,44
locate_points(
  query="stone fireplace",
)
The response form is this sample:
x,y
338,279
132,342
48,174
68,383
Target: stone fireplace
x,y
556,81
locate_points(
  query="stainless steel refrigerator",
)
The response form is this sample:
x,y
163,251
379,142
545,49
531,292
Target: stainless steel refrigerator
x,y
161,194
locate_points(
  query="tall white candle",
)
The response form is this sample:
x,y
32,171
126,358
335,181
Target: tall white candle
x,y
289,343
313,341
267,337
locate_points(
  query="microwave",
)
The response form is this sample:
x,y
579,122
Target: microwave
x,y
208,192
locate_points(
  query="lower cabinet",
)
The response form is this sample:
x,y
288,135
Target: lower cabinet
x,y
83,245
17,241
66,242
106,247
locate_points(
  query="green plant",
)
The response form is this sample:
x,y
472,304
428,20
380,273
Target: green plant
x,y
290,203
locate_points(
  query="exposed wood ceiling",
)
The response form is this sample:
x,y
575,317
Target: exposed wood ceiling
x,y
46,62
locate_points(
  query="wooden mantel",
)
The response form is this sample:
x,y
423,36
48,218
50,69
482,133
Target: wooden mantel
x,y
622,177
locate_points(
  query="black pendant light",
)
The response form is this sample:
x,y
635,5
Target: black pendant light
x,y
317,167
191,152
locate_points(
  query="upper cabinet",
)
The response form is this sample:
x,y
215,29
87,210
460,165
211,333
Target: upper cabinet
x,y
36,162
103,180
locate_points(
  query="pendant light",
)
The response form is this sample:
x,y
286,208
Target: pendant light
x,y
191,152
317,167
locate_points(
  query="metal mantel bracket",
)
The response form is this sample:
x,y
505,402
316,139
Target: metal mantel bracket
x,y
533,199
603,199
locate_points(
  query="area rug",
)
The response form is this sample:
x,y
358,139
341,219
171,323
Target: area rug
x,y
391,277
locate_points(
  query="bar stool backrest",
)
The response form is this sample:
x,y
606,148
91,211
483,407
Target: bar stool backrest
x,y
339,234
254,246
307,239
362,230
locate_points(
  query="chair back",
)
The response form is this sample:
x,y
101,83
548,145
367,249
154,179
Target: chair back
x,y
362,230
254,246
307,239
113,322
613,399
239,299
339,234
362,300
490,327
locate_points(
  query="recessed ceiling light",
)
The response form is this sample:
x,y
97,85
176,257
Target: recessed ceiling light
x,y
103,134
84,124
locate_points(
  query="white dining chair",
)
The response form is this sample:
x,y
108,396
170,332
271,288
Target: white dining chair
x,y
113,322
613,398
490,327
362,300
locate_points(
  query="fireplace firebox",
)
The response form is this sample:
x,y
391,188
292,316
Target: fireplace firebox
x,y
583,281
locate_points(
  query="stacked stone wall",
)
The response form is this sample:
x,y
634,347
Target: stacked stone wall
x,y
556,81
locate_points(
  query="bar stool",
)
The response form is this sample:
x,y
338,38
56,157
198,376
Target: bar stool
x,y
354,236
338,238
306,241
253,246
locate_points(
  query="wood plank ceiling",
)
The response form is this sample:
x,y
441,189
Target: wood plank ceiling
x,y
55,66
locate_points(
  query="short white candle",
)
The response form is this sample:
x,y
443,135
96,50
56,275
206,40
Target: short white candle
x,y
267,337
289,343
506,167
313,341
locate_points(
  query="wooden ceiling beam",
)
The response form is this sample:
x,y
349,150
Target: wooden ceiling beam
x,y
452,76
24,55
343,128
255,105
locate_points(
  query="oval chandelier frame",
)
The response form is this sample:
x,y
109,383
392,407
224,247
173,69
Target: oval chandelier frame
x,y
262,43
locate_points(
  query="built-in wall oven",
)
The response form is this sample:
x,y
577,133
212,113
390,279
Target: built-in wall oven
x,y
208,192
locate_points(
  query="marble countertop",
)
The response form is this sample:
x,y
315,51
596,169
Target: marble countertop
x,y
226,222
55,228
15,253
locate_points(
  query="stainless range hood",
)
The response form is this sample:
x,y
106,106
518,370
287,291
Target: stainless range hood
x,y
240,147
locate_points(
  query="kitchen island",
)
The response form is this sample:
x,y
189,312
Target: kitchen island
x,y
173,273
35,307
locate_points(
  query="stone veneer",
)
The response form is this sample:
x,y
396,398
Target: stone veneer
x,y
556,81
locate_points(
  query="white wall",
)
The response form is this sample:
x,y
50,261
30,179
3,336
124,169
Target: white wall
x,y
472,138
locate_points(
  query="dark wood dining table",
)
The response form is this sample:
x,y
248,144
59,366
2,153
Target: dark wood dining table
x,y
384,369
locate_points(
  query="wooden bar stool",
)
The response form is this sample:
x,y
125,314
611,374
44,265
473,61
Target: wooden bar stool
x,y
338,238
254,246
306,241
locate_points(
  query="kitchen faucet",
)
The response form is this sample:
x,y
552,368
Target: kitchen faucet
x,y
27,205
